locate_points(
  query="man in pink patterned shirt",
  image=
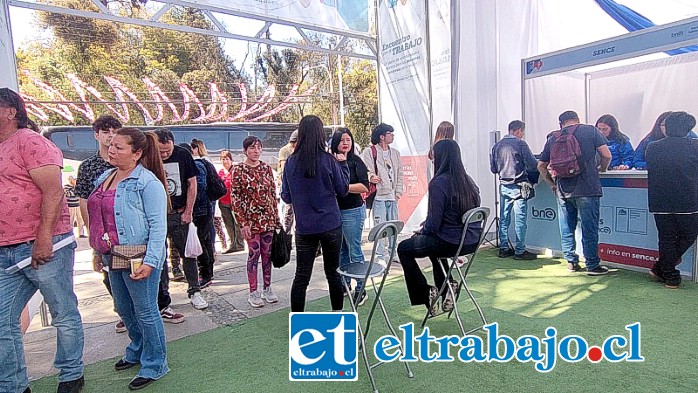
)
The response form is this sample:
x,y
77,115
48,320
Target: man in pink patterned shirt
x,y
34,217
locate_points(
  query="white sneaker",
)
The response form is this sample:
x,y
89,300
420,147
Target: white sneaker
x,y
198,301
255,300
269,296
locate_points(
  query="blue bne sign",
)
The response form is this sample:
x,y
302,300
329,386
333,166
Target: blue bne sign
x,y
323,346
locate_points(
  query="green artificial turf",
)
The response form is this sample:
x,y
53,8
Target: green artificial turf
x,y
524,297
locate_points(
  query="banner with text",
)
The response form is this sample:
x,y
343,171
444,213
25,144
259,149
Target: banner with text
x,y
440,50
404,85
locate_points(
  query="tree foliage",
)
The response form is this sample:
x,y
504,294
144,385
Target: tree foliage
x,y
93,48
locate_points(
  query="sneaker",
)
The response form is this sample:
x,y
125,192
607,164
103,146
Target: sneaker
x,y
177,275
656,275
269,296
168,315
674,283
344,290
123,365
447,304
433,299
74,386
597,271
139,383
526,256
255,300
120,327
198,301
573,267
205,283
505,252
362,300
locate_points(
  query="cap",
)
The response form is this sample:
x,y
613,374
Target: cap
x,y
294,136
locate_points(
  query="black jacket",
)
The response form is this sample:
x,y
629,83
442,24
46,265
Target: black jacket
x,y
672,175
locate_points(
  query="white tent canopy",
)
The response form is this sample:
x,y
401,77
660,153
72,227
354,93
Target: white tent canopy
x,y
491,37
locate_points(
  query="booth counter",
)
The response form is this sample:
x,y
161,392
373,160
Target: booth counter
x,y
627,232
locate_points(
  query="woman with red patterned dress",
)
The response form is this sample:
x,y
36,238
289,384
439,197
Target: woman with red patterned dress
x,y
253,192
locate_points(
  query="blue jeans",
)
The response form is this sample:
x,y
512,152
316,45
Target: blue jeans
x,y
383,211
137,305
510,197
352,227
586,211
55,281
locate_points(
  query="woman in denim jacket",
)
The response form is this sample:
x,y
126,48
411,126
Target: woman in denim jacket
x,y
129,206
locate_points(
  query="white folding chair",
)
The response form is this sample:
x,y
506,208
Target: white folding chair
x,y
373,270
478,214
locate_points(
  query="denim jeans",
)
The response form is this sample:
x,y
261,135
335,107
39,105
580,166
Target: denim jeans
x,y
55,281
383,211
306,248
136,302
352,228
510,197
422,246
586,211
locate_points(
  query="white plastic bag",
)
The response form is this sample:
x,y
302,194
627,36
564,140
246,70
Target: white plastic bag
x,y
193,248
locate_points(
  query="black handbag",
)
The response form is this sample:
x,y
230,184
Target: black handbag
x,y
281,248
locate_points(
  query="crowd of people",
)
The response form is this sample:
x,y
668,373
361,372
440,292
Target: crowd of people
x,y
141,194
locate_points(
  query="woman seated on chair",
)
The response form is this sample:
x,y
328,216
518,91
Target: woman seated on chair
x,y
451,194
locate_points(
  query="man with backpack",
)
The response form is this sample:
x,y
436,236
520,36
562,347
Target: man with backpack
x,y
206,181
568,164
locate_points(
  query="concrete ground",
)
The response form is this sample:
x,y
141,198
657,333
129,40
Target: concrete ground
x,y
227,299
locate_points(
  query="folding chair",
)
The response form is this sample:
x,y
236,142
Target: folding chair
x,y
478,214
373,270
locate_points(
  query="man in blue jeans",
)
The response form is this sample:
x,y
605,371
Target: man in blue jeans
x,y
512,159
578,197
35,218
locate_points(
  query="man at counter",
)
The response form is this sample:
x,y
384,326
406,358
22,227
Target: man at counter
x,y
511,158
672,192
578,193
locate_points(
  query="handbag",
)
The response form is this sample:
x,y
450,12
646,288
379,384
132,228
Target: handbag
x,y
127,257
281,248
527,191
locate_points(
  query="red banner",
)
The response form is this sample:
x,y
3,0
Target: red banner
x,y
625,255
415,182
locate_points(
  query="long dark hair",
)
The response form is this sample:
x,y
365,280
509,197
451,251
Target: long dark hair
x,y
656,133
447,161
337,139
612,123
311,145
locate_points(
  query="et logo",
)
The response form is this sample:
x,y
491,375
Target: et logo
x,y
323,346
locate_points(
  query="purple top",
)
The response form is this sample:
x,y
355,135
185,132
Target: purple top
x,y
100,207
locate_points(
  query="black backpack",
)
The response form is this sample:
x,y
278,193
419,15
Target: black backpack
x,y
215,187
